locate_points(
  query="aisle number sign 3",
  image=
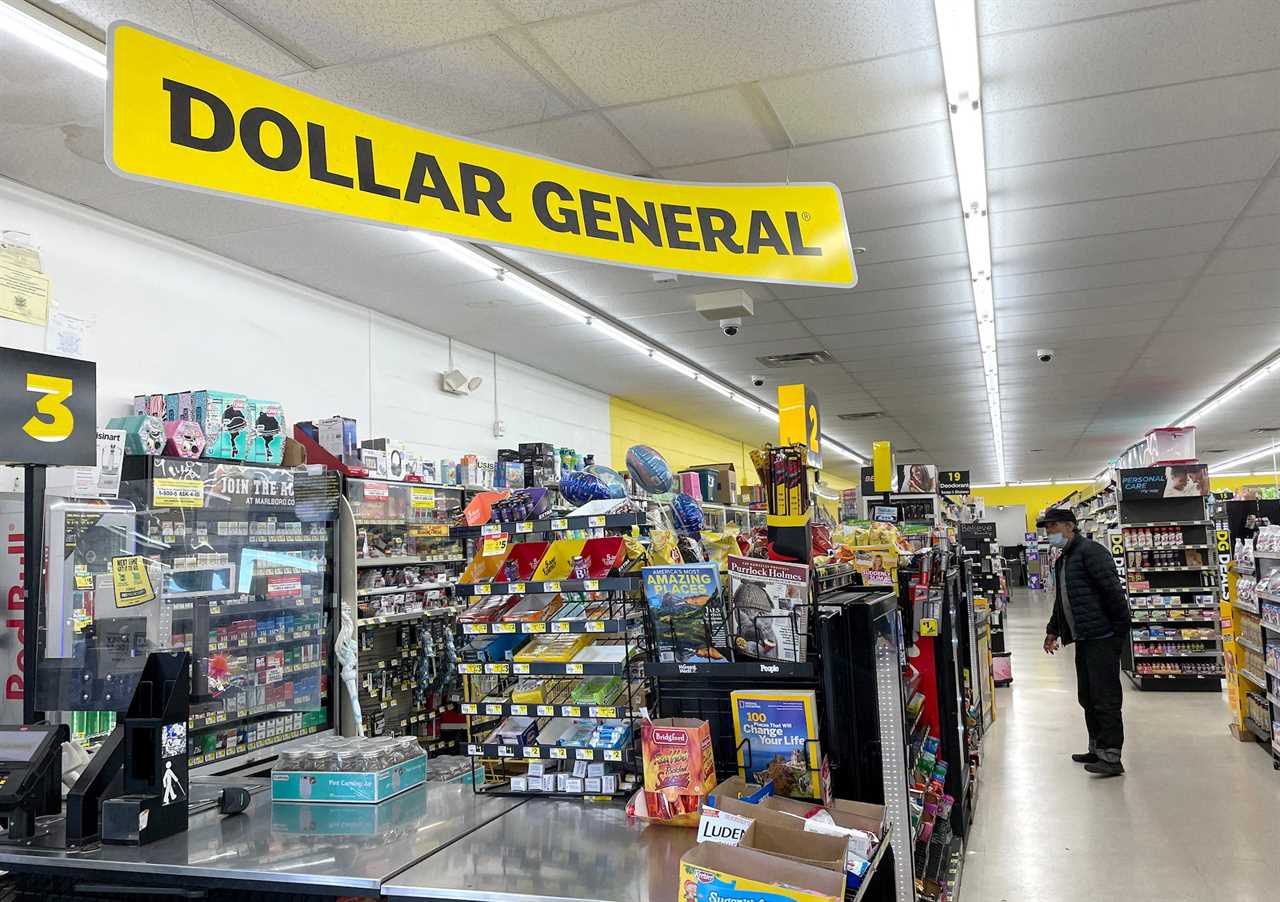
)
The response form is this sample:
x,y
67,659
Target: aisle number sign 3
x,y
48,408
799,422
177,116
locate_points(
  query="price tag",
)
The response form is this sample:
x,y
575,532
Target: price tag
x,y
490,529
468,708
558,752
928,626
431,530
584,754
475,629
560,523
590,585
520,710
474,750
422,499
504,628
524,527
534,627
546,711
515,588
483,589
493,709
532,751
470,668
506,751
612,754
500,669
521,668
572,711
573,669
553,586
594,522
595,626
604,712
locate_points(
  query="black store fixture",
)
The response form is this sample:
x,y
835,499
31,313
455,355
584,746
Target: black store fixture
x,y
950,651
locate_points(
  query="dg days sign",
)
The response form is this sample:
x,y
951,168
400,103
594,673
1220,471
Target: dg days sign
x,y
177,116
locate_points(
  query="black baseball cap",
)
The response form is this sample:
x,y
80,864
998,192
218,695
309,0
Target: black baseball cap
x,y
1056,515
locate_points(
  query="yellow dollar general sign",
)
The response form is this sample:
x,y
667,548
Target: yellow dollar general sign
x,y
799,422
180,117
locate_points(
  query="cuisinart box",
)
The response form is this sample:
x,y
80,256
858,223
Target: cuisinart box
x,y
348,786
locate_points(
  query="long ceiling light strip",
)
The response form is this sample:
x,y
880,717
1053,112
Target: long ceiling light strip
x,y
42,30
1233,390
1272,448
958,37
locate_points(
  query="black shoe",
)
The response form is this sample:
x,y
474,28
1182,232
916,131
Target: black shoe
x,y
1085,758
1105,768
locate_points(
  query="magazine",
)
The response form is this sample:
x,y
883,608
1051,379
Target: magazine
x,y
772,730
686,606
770,608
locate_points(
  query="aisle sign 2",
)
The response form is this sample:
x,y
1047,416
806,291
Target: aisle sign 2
x,y
954,482
176,116
799,422
48,409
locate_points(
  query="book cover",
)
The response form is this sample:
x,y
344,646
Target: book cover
x,y
684,600
772,730
771,603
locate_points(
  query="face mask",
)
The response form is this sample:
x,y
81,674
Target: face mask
x,y
1057,540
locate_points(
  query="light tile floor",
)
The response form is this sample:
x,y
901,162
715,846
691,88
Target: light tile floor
x,y
1196,818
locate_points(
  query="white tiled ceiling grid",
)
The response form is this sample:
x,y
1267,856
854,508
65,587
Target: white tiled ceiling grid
x,y
1131,148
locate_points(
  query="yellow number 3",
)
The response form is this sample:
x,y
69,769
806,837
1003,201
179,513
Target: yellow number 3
x,y
60,421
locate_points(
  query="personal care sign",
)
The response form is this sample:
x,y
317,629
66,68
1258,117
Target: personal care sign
x,y
177,116
1177,481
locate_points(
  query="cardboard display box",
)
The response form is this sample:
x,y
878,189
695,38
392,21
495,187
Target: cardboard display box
x,y
724,488
711,872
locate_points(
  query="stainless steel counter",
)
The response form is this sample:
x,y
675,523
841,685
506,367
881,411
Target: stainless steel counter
x,y
354,848
553,851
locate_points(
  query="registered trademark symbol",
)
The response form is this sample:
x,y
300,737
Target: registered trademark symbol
x,y
805,216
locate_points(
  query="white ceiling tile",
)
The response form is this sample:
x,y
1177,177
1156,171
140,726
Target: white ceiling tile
x,y
584,138
694,342
898,205
1087,277
873,96
1267,201
915,300
468,86
907,273
863,361
650,50
199,23
346,30
1151,293
957,330
1179,113
538,10
1261,282
1007,327
756,167
872,161
1128,173
1246,259
518,42
65,160
825,327
1086,330
192,215
693,128
1253,231
685,319
36,92
926,239
1120,214
1172,44
1140,245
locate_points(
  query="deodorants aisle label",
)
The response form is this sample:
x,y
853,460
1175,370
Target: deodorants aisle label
x,y
177,116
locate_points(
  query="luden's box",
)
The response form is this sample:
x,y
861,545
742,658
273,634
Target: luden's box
x,y
677,756
711,872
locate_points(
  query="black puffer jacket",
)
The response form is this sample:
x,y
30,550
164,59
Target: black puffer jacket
x,y
1098,604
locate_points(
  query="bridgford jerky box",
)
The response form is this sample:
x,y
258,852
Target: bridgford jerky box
x,y
677,757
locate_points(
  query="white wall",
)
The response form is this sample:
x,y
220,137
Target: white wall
x,y
171,317
1011,523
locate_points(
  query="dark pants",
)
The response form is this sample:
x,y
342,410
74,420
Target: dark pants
x,y
1100,694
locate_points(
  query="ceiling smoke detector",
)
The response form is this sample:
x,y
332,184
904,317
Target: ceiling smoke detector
x,y
813,358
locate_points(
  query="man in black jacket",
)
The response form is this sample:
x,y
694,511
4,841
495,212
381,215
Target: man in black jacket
x,y
1090,610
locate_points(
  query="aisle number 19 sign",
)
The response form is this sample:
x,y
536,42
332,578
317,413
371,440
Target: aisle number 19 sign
x,y
48,409
799,422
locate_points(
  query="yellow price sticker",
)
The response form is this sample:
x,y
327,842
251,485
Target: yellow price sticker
x,y
573,669
572,711
553,586
524,527
590,585
560,523
493,709
506,628
534,627
468,708
595,522
130,580
521,668
470,668
495,545
532,751
430,530
475,629
546,711
929,626
499,669
560,626
595,626
520,710
584,754
612,755
490,529
506,751
483,589
515,588
422,499
604,712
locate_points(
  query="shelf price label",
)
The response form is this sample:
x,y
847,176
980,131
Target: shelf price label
x,y
524,527
591,585
604,712
475,629
493,709
584,754
475,750
612,754
431,530
470,668
506,751
572,711
553,586
499,669
520,710
595,522
521,668
532,751
560,523
490,529
515,588
929,626
573,669
534,627
595,626
546,710
495,545
560,626
504,628
483,589
559,753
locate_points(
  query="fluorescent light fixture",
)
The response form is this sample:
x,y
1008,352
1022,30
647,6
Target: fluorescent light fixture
x,y
620,336
461,253
1232,391
533,290
678,365
1271,448
845,452
38,30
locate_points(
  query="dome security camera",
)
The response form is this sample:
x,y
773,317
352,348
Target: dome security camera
x,y
731,326
757,381
1045,354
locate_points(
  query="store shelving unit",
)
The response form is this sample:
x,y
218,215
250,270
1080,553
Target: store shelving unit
x,y
491,671
1163,549
402,564
1264,662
